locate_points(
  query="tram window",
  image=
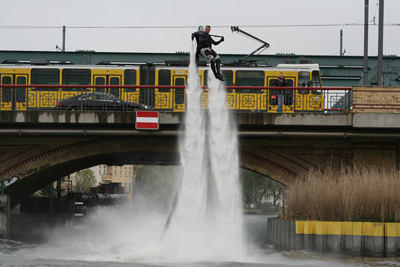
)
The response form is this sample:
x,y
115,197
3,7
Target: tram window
x,y
100,81
179,93
76,77
6,92
114,81
45,76
288,93
288,100
147,75
21,80
21,91
228,77
249,78
130,79
316,82
164,78
274,82
304,81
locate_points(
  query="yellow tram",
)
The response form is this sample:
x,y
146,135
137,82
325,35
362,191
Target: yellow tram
x,y
239,98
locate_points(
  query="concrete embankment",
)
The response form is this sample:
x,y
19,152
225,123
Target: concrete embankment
x,y
357,238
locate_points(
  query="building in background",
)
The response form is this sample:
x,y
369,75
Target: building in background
x,y
125,175
99,171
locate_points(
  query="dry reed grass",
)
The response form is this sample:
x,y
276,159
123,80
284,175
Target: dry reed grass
x,y
365,194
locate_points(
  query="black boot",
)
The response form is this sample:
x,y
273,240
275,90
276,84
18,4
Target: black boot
x,y
218,75
213,67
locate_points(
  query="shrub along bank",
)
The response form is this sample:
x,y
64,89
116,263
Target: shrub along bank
x,y
351,194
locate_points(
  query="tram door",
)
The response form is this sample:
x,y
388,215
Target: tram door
x,y
179,93
14,98
108,80
147,96
286,95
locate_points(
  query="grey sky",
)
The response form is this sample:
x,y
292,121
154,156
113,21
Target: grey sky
x,y
220,14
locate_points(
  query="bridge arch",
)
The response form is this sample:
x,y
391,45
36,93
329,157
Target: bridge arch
x,y
35,172
46,161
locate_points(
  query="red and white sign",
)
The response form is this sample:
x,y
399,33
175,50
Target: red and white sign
x,y
147,120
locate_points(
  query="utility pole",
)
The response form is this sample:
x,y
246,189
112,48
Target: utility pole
x,y
341,42
365,72
380,44
63,41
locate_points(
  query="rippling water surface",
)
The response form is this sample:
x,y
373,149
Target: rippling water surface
x,y
98,246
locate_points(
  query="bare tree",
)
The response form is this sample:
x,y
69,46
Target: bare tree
x,y
258,189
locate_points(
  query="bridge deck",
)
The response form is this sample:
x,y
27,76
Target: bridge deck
x,y
92,123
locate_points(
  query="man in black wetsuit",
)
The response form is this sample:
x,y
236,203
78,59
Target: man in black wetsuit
x,y
204,48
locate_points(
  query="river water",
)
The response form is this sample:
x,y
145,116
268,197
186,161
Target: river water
x,y
99,244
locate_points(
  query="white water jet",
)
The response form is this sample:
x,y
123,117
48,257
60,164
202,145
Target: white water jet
x,y
207,225
185,237
224,160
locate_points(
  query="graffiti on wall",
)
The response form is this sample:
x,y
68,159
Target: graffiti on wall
x,y
27,172
8,182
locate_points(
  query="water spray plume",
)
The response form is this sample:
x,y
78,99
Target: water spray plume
x,y
207,222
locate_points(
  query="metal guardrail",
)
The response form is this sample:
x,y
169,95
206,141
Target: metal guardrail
x,y
172,98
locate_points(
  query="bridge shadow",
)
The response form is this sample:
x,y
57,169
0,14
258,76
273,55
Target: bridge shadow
x,y
36,181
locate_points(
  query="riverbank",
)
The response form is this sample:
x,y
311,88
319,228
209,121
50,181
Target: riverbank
x,y
355,238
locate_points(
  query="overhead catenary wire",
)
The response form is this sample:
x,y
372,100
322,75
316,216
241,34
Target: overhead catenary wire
x,y
23,27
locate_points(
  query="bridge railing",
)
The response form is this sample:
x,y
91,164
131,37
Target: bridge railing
x,y
173,98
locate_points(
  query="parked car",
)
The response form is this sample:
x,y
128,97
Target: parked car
x,y
98,101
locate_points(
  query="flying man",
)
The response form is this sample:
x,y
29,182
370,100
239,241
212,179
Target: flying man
x,y
204,48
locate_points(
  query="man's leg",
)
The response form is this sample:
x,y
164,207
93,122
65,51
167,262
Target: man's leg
x,y
211,57
212,62
218,74
208,54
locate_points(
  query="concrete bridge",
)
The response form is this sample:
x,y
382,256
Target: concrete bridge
x,y
39,147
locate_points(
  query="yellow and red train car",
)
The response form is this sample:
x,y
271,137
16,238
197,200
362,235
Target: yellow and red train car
x,y
246,86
